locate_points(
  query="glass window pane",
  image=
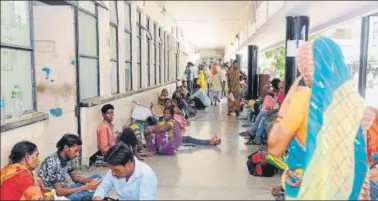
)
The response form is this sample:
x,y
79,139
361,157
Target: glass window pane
x,y
139,66
15,26
114,77
127,46
113,42
128,76
127,16
113,12
348,36
16,70
139,50
88,6
87,34
88,75
371,93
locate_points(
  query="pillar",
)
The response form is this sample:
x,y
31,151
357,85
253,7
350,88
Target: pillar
x,y
252,71
296,33
239,60
364,48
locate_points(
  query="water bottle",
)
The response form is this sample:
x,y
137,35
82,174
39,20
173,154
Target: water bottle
x,y
17,102
2,107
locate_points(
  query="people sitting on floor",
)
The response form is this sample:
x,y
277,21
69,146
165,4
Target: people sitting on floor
x,y
184,89
178,115
106,137
163,138
17,178
269,108
131,178
163,95
129,138
188,140
166,137
200,98
57,168
182,104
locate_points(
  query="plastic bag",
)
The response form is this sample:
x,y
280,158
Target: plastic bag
x,y
141,113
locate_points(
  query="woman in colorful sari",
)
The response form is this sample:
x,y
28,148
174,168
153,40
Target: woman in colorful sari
x,y
165,137
319,124
370,123
234,89
216,84
17,178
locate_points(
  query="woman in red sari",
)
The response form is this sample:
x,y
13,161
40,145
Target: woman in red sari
x,y
17,178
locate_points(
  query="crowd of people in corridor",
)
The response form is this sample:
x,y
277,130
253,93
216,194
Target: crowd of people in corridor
x,y
321,128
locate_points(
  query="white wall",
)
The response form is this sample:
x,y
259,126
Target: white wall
x,y
49,26
211,53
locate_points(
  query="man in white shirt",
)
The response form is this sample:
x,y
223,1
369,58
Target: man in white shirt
x,y
194,71
132,179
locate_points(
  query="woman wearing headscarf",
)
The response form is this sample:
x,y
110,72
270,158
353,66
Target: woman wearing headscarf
x,y
216,85
234,92
18,181
319,124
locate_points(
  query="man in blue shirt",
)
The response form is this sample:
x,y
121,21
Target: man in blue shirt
x,y
132,179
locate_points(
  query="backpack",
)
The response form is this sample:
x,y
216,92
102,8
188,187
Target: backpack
x,y
258,166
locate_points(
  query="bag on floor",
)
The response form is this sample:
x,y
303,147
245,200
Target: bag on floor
x,y
141,112
258,166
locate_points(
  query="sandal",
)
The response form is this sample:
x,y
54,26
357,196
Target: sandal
x,y
245,133
276,191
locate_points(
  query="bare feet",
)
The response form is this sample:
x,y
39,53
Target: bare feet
x,y
215,141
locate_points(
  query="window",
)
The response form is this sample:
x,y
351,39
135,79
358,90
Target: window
x,y
16,54
114,75
166,46
155,55
371,93
128,49
348,36
161,56
148,51
139,48
88,52
177,59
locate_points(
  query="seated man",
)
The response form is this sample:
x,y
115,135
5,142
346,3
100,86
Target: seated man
x,y
200,98
106,137
257,127
55,169
105,132
132,179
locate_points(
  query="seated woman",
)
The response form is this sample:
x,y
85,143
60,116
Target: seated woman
x,y
188,140
166,137
200,98
163,95
17,178
129,138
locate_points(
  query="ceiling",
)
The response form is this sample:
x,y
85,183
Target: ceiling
x,y
332,12
206,24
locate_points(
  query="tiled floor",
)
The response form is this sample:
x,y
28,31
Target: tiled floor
x,y
216,173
